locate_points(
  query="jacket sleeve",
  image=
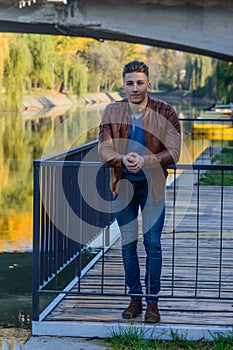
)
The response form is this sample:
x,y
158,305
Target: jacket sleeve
x,y
171,140
106,151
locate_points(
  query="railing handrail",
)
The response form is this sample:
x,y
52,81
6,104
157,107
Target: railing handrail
x,y
65,153
179,166
226,119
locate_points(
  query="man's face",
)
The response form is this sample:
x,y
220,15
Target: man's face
x,y
136,87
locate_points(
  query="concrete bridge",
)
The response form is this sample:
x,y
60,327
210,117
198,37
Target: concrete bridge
x,y
197,26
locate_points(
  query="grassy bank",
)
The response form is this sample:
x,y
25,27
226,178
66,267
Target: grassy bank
x,y
132,339
217,178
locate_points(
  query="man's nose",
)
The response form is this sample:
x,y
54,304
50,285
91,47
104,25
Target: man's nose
x,y
135,86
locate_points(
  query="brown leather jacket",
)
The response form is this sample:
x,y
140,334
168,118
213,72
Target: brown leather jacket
x,y
162,136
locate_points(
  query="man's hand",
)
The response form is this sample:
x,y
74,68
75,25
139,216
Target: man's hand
x,y
133,162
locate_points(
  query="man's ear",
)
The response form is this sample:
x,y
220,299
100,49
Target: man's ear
x,y
148,86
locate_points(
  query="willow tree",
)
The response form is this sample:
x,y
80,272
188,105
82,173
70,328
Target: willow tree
x,y
224,75
77,78
43,53
71,52
16,72
230,82
168,80
17,159
206,70
200,72
4,55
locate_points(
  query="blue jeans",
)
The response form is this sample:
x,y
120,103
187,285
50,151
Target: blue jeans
x,y
131,196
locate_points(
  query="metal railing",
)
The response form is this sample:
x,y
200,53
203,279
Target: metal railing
x,y
67,221
64,223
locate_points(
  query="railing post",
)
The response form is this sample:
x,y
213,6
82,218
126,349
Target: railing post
x,y
107,237
36,244
197,237
173,232
221,236
107,229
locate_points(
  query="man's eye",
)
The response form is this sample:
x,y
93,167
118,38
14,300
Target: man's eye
x,y
129,83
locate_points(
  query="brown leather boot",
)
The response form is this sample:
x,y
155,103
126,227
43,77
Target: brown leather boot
x,y
152,313
133,310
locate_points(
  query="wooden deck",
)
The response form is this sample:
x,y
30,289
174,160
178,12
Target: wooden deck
x,y
192,281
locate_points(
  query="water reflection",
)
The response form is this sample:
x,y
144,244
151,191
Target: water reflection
x,y
15,297
13,338
23,138
81,127
21,141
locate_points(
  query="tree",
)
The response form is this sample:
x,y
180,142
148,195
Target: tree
x,y
154,61
4,55
77,78
199,77
16,72
69,49
43,56
179,68
130,52
164,70
224,76
104,65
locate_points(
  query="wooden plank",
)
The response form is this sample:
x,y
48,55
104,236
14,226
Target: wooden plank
x,y
180,284
209,205
173,314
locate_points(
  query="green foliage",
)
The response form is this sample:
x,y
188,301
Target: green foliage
x,y
18,195
165,67
200,76
77,79
218,178
224,75
105,63
134,338
16,70
223,343
77,65
17,161
35,61
42,50
128,338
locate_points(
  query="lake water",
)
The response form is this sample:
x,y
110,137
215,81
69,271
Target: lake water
x,y
24,138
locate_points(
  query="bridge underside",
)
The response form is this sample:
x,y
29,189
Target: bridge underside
x,y
203,27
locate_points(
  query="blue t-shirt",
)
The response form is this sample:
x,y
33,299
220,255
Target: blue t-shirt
x,y
136,143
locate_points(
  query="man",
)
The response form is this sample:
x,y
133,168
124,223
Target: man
x,y
138,137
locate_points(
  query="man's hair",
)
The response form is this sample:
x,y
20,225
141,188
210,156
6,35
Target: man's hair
x,y
135,66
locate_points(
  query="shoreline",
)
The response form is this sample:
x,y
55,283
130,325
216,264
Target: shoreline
x,y
49,100
53,104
